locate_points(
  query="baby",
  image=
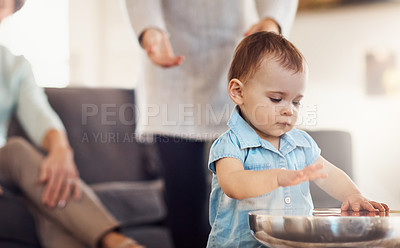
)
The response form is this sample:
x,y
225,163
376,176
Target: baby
x,y
262,161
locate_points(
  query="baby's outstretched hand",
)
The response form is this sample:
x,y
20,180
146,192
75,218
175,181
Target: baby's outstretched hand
x,y
292,177
357,202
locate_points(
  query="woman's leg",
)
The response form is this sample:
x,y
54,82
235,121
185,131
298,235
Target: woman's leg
x,y
53,235
86,219
187,190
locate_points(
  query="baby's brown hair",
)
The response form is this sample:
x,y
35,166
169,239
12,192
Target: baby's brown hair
x,y
18,5
253,49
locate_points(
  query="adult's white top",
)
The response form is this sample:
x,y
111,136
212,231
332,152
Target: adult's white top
x,y
191,100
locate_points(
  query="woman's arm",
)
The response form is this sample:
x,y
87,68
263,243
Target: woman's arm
x,y
45,129
144,14
282,12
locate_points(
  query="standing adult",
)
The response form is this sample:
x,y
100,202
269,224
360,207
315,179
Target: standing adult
x,y
67,212
182,98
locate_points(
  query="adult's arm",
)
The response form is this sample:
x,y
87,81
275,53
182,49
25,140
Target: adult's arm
x,y
144,14
282,12
44,127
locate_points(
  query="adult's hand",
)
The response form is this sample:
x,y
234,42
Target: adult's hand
x,y
266,24
58,171
158,48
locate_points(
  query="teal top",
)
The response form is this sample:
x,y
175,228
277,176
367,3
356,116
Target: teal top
x,y
19,94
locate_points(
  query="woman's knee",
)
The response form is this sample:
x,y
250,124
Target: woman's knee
x,y
18,154
18,147
17,144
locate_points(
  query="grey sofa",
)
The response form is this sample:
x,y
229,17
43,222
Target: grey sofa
x,y
124,173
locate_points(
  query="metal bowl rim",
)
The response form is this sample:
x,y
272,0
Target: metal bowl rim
x,y
259,213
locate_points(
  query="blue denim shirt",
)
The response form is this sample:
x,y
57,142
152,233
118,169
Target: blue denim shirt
x,y
229,217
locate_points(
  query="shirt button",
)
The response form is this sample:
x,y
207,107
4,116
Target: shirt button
x,y
287,200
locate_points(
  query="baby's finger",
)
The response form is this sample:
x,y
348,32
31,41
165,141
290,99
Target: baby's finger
x,y
355,206
312,172
385,206
378,206
345,206
367,206
319,166
316,176
313,168
300,174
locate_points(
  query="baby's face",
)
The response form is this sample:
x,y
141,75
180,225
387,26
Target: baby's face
x,y
271,99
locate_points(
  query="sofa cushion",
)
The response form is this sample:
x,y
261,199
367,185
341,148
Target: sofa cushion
x,y
133,203
17,225
150,236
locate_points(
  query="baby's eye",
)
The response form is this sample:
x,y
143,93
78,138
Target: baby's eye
x,y
276,100
297,103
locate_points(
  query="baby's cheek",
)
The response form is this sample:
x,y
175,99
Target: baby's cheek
x,y
264,116
295,118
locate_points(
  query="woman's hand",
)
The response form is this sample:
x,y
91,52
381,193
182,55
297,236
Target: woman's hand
x,y
357,202
266,24
159,49
58,170
292,177
60,176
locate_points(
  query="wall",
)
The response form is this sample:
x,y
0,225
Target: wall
x,y
334,43
104,52
39,31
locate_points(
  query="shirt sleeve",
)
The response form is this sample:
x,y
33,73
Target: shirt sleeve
x,y
313,152
283,12
144,14
33,109
226,146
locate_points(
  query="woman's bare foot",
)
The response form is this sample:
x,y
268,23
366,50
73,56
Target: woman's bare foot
x,y
117,240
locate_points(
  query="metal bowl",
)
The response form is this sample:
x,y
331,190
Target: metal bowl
x,y
325,228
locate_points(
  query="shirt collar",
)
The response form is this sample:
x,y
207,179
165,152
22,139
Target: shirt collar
x,y
246,135
249,138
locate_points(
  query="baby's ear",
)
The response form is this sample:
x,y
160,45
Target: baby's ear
x,y
235,90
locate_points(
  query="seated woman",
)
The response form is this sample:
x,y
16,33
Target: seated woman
x,y
67,212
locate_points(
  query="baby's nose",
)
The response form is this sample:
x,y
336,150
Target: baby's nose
x,y
287,110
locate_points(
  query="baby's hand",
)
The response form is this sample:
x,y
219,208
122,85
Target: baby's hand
x,y
357,202
292,177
